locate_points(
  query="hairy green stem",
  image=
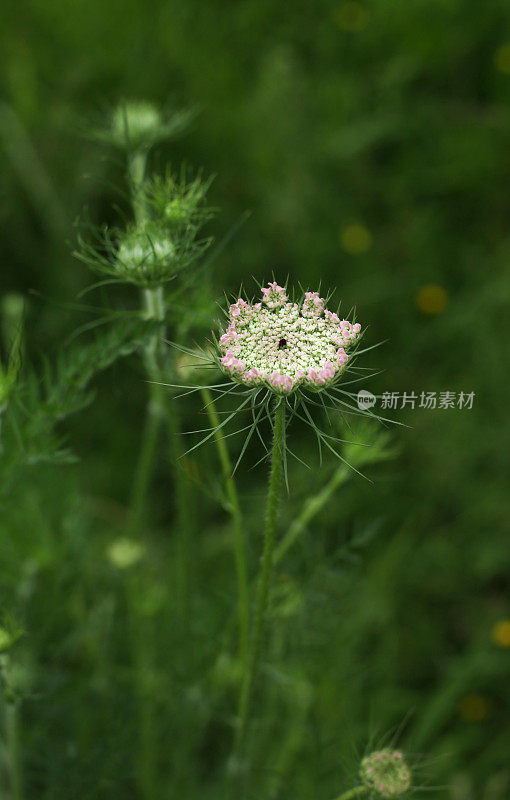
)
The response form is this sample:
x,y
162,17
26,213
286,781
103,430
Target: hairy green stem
x,y
358,791
14,749
239,542
273,500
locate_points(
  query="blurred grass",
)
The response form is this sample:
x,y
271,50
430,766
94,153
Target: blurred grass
x,y
370,141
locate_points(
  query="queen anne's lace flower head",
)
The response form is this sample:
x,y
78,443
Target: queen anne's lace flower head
x,y
285,345
386,773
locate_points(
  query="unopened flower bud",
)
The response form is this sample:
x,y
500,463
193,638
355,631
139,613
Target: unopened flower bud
x,y
386,773
146,257
135,123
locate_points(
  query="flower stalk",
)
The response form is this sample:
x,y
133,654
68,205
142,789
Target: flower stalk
x,y
153,304
273,501
153,310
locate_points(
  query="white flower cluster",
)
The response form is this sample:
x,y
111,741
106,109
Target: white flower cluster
x,y
285,344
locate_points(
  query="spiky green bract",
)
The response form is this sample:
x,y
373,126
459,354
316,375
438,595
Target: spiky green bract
x,y
160,244
177,202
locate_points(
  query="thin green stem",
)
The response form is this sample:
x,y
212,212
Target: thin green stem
x,y
144,468
163,406
273,501
239,542
184,511
358,791
14,749
137,166
159,406
153,309
142,640
310,509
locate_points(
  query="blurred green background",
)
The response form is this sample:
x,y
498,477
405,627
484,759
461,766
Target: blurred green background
x,y
371,143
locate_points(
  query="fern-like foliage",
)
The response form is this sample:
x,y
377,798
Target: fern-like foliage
x,y
46,397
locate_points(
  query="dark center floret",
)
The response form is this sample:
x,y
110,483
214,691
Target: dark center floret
x,y
282,344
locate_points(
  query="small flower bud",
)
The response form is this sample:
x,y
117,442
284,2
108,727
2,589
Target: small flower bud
x,y
140,249
139,124
135,123
177,203
146,257
386,773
